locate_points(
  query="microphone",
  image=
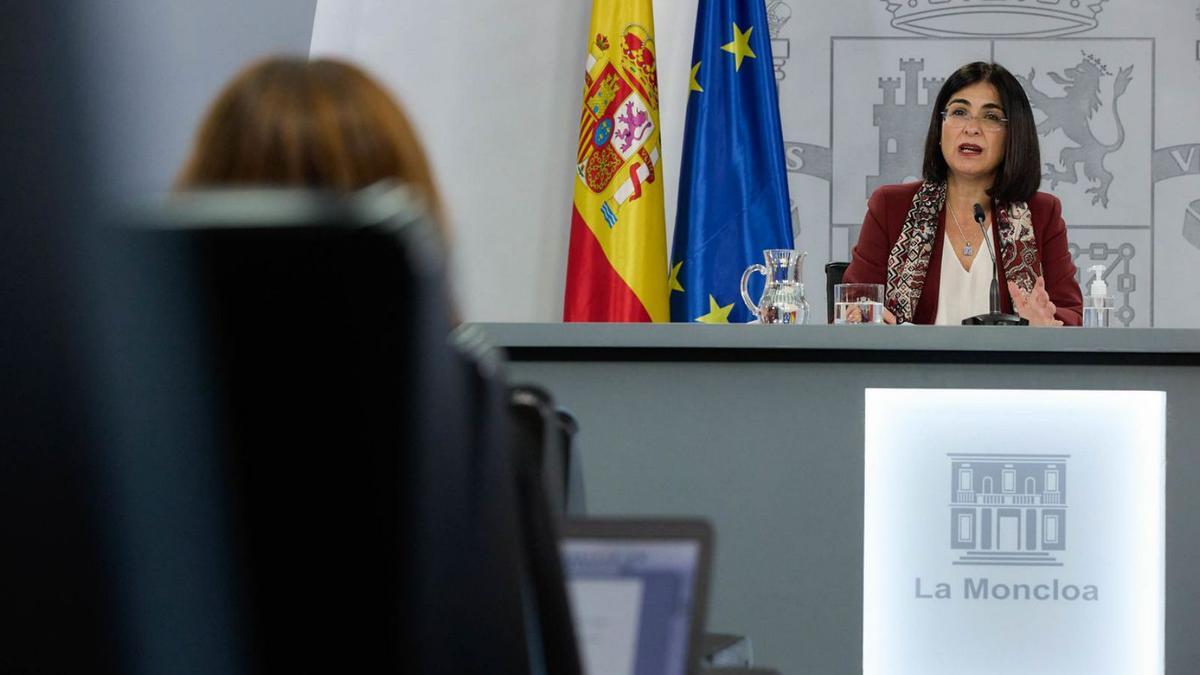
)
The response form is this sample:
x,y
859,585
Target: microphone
x,y
994,294
993,317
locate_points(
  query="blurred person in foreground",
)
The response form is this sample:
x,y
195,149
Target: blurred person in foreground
x,y
292,122
921,239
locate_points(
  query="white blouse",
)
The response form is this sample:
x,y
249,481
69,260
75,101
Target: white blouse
x,y
963,293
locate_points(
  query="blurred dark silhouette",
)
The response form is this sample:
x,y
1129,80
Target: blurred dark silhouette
x,y
236,438
53,583
309,476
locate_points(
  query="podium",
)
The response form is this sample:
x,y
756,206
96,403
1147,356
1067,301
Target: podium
x,y
761,430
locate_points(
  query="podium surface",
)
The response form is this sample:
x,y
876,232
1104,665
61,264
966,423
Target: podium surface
x,y
761,430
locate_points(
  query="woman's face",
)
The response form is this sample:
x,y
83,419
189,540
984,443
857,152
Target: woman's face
x,y
973,133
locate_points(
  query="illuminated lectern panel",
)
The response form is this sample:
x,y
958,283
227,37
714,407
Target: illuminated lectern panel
x,y
1013,531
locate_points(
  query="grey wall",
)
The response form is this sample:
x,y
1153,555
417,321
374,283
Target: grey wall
x,y
156,64
493,89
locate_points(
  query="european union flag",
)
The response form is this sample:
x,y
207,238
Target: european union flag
x,y
733,198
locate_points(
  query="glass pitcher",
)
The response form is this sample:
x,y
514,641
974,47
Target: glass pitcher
x,y
783,299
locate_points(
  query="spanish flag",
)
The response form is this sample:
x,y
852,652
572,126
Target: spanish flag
x,y
617,265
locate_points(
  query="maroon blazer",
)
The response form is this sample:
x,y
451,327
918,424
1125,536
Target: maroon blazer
x,y
889,206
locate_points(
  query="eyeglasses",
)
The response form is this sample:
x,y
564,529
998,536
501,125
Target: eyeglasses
x,y
990,120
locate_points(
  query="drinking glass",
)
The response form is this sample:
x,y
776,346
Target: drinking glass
x,y
857,303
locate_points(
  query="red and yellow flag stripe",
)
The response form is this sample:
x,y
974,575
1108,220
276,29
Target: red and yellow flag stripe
x,y
617,263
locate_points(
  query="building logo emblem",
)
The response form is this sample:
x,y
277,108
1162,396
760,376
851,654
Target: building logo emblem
x,y
1008,510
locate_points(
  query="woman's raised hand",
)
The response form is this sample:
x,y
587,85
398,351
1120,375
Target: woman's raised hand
x,y
1035,306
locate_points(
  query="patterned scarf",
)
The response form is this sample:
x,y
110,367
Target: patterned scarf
x,y
908,262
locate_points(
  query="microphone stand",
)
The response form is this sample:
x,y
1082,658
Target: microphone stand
x,y
994,317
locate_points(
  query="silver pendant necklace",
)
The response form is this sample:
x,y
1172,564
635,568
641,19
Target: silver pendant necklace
x,y
967,249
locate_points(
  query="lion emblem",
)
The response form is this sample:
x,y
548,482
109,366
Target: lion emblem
x,y
1072,113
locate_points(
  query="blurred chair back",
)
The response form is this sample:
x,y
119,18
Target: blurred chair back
x,y
833,277
311,477
539,455
537,431
576,499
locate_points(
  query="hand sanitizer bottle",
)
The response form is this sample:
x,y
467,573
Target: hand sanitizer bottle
x,y
1097,306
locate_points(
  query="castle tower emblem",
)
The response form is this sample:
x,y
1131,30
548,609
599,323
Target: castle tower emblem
x,y
902,126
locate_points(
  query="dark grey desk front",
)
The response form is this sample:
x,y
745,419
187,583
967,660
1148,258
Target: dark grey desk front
x,y
760,429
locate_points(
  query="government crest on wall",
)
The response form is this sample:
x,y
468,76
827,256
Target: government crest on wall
x,y
1093,102
1091,99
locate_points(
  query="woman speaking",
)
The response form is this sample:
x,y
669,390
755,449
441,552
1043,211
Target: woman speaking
x,y
922,240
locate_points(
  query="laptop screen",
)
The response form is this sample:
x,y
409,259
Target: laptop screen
x,y
635,601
